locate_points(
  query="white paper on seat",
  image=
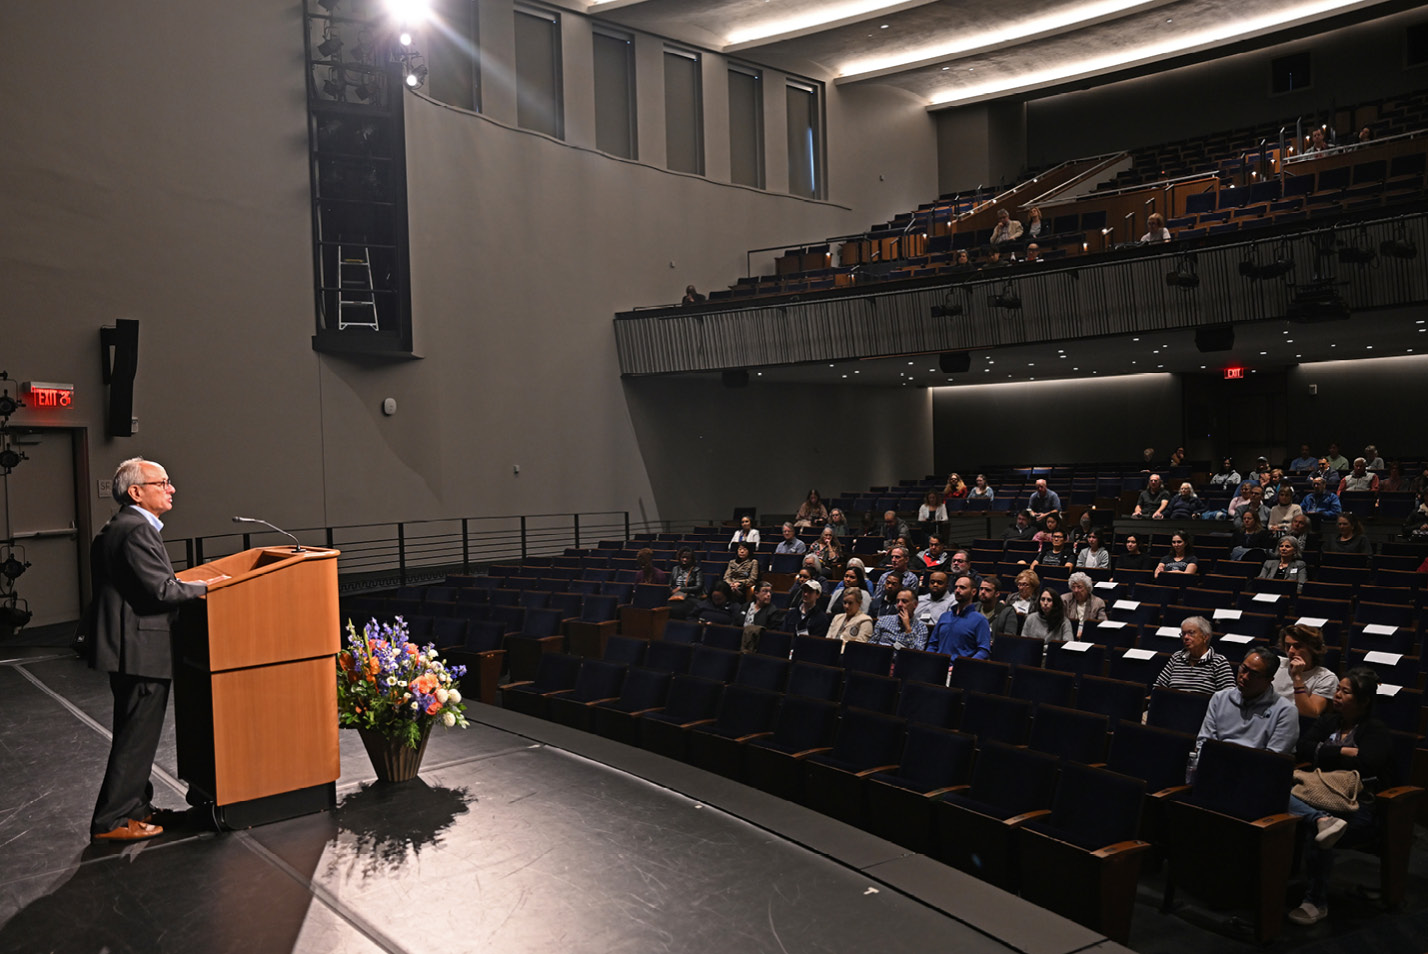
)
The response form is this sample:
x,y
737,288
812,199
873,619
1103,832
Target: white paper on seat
x,y
1267,597
1379,629
1316,621
1076,647
1171,631
1105,585
1388,689
1228,614
1126,604
1112,624
1383,659
1236,638
1139,654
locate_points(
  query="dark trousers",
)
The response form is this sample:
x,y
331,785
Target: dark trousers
x,y
139,705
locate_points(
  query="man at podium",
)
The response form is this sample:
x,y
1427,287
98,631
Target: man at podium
x,y
136,598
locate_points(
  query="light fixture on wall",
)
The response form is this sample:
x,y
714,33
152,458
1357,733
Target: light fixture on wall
x,y
1281,266
1183,275
948,308
1006,298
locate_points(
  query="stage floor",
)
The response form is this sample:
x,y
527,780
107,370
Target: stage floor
x,y
519,836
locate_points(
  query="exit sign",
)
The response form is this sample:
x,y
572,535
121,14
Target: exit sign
x,y
1232,374
50,394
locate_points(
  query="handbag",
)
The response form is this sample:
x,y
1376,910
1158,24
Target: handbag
x,y
1337,791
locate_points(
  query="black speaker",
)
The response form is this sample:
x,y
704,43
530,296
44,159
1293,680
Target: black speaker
x,y
738,378
119,351
1215,338
954,362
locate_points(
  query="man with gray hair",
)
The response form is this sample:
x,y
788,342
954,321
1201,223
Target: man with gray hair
x,y
1250,713
790,542
136,598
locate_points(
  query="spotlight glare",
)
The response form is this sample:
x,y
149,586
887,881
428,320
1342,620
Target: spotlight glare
x,y
409,11
405,39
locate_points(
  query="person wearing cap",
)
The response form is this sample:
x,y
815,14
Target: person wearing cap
x,y
900,628
807,617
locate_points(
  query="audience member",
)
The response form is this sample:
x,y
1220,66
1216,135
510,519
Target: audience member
x,y
1393,482
934,557
1177,457
691,296
1153,500
1305,462
1033,253
1226,478
1349,538
747,533
1336,460
1035,228
1022,527
936,601
1028,584
898,559
838,523
1250,713
1257,503
790,542
851,625
1415,525
854,580
1322,471
1321,502
1180,561
686,584
1081,605
1056,553
932,514
885,602
811,512
804,575
1372,458
1077,534
1134,558
1250,536
1302,679
1359,479
1196,667
962,631
806,616
1283,509
893,527
759,614
1000,616
827,548
1186,505
1287,565
742,572
1048,621
1049,525
1345,738
1148,458
980,490
1093,556
719,607
1155,230
956,487
1007,229
1044,501
645,570
900,628
1299,530
960,564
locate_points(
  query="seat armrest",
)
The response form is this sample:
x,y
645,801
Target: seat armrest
x,y
1016,821
1121,848
1272,822
1173,793
870,771
807,752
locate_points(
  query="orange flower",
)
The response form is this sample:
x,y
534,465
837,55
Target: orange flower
x,y
433,708
411,649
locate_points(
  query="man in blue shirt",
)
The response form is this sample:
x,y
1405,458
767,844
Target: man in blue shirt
x,y
790,542
1305,462
962,630
901,629
1322,501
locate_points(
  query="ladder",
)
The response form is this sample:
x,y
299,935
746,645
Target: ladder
x,y
355,294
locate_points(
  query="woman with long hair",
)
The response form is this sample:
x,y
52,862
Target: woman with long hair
x,y
1048,622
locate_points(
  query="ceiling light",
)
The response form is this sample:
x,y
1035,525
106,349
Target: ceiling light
x,y
1008,34
1208,38
827,15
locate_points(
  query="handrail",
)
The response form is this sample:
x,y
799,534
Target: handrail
x,y
1350,147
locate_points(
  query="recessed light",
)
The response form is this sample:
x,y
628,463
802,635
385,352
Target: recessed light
x,y
1135,339
1075,369
1333,346
761,374
845,375
909,364
946,68
1264,352
1368,347
830,366
883,27
1160,365
857,372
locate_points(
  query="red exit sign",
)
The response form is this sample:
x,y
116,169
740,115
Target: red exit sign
x,y
1232,374
50,394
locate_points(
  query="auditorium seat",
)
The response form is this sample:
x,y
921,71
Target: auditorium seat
x,y
864,744
900,803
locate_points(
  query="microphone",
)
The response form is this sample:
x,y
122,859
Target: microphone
x,y
297,547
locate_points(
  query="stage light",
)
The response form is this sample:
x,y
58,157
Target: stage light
x,y
333,88
1184,275
417,76
405,39
948,309
1006,298
1398,248
12,568
10,459
328,5
1254,271
365,90
1353,255
330,45
9,405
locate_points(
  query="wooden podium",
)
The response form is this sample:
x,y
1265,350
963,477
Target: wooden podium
x,y
255,685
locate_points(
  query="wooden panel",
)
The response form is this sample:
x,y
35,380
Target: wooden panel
x,y
280,610
275,729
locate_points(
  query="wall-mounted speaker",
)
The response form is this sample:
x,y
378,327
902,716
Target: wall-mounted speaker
x,y
1215,338
954,362
119,353
738,378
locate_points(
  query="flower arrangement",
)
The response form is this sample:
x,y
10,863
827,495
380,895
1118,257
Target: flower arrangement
x,y
389,684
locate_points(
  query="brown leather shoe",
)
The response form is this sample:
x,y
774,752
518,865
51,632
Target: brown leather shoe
x,y
131,830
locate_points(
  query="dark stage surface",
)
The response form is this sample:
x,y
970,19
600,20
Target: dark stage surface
x,y
519,836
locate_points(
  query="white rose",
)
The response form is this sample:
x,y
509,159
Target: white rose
x,y
391,680
448,719
415,706
454,696
442,695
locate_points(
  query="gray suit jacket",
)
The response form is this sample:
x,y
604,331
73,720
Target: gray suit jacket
x,y
135,598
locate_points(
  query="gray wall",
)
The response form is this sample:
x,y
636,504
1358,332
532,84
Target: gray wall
x,y
1361,402
168,182
1110,419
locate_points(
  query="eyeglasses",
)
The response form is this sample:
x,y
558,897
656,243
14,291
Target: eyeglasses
x,y
158,483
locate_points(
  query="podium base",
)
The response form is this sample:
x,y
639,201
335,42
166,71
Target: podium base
x,y
272,808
